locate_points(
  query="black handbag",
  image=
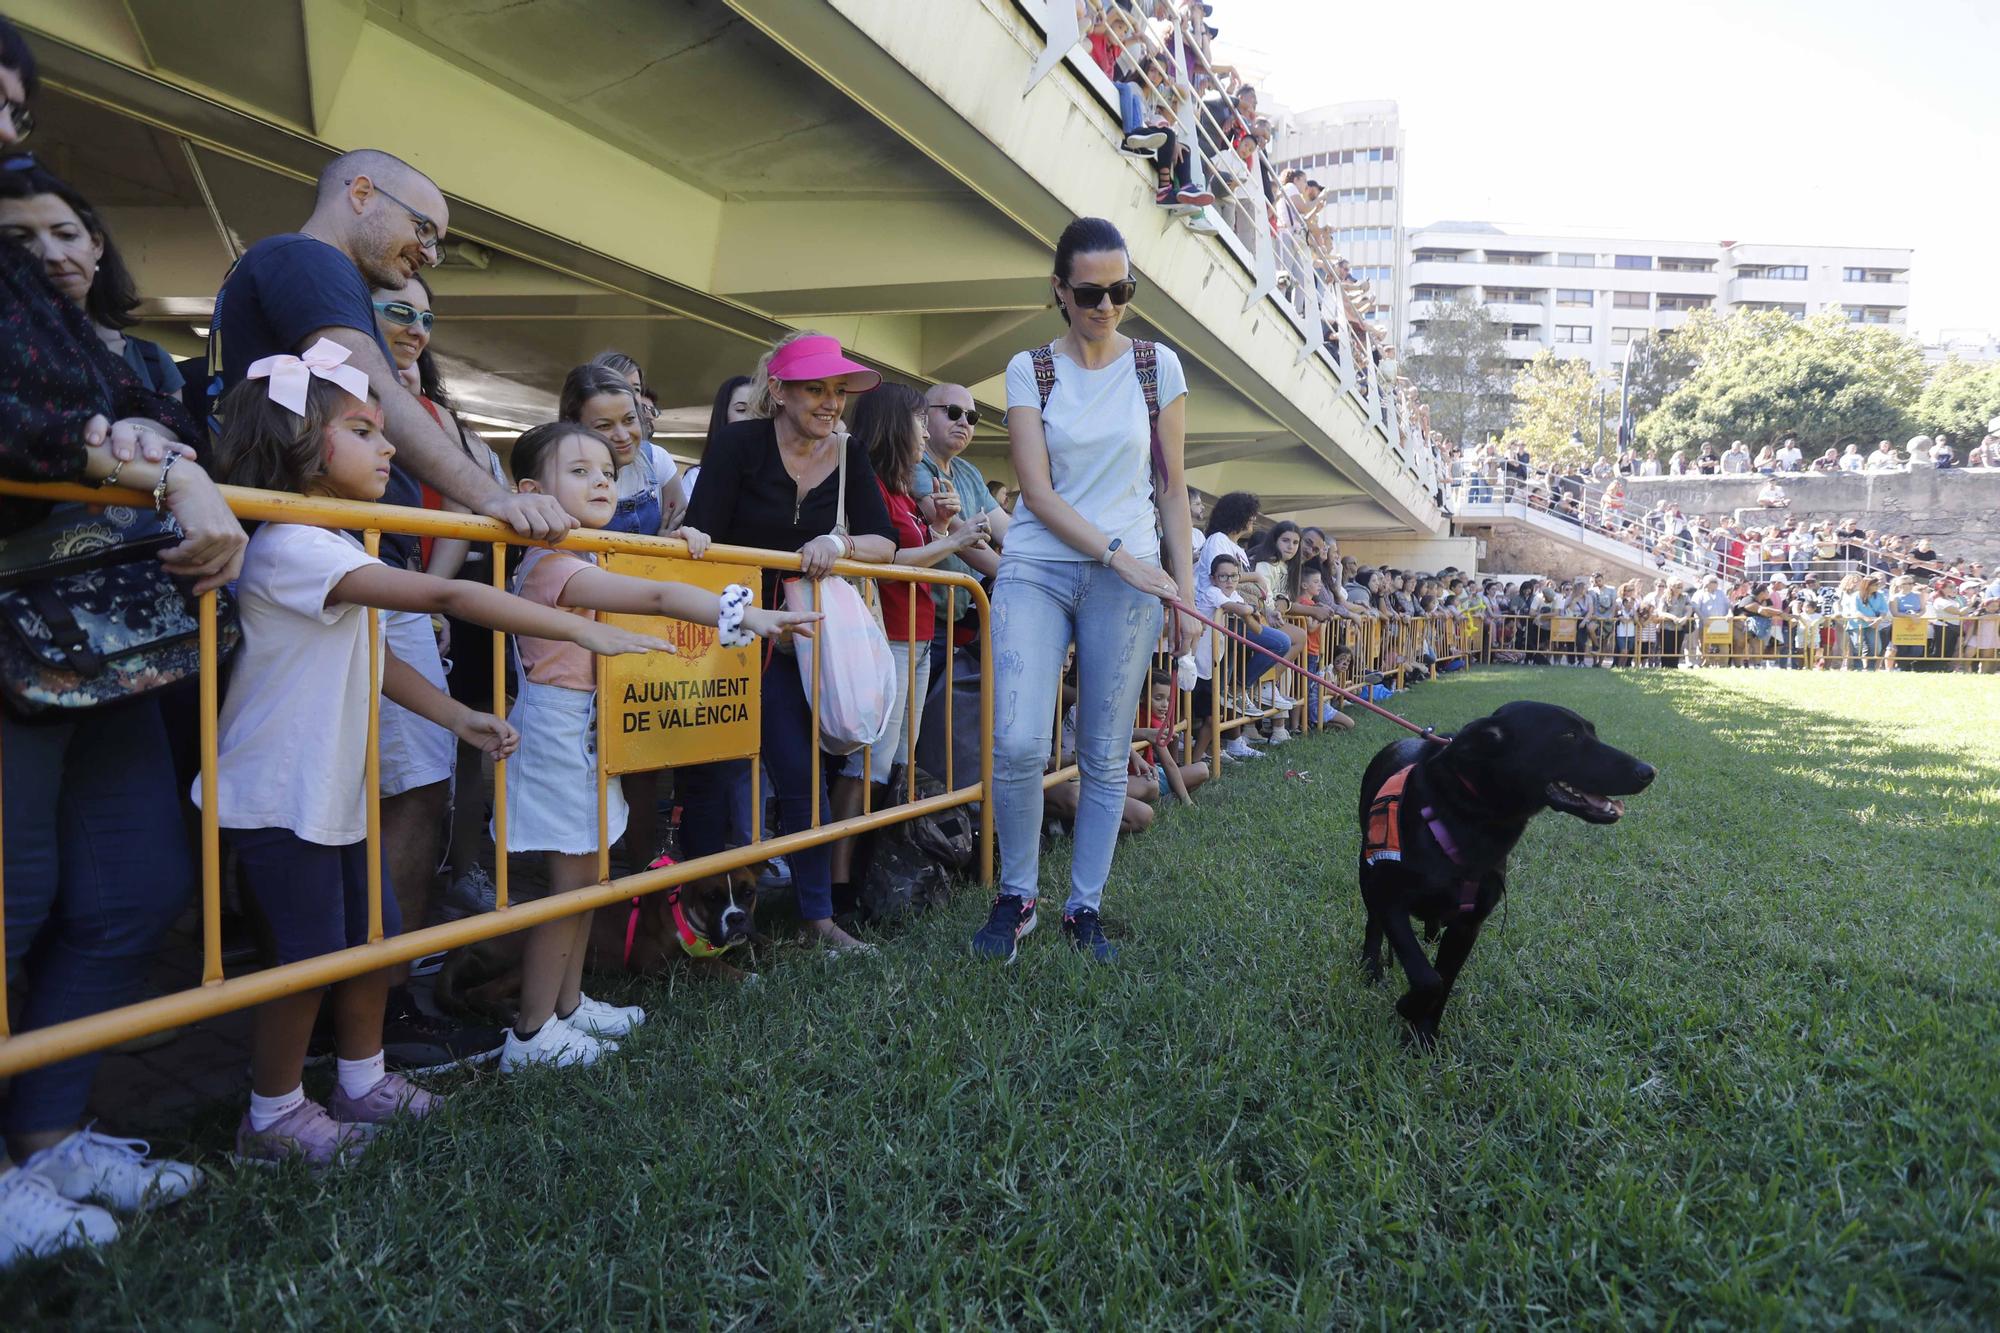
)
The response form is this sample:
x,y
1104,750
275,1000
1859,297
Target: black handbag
x,y
89,617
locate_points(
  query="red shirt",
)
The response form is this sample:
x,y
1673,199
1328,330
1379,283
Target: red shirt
x,y
896,595
1101,52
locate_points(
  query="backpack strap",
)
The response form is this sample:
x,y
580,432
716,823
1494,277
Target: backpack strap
x,y
1044,360
1146,361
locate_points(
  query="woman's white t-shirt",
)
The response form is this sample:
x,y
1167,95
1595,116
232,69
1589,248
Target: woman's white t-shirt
x,y
633,480
1100,451
293,730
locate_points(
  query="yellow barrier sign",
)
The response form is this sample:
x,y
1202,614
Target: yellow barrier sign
x,y
1910,632
1717,633
1562,629
697,704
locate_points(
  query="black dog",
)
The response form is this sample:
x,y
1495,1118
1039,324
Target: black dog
x,y
1437,823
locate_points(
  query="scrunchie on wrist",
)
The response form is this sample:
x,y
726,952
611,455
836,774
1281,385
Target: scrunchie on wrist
x,y
729,631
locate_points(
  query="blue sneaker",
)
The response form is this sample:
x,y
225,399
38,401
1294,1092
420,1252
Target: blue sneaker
x,y
1086,932
1010,919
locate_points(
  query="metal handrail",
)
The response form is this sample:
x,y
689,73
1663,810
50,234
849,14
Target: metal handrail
x,y
218,994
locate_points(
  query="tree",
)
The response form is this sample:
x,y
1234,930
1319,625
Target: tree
x,y
1552,397
1459,368
1960,402
1760,376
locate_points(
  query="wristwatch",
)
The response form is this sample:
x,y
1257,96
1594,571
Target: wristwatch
x,y
1110,551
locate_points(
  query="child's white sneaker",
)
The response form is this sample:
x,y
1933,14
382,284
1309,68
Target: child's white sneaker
x,y
1237,749
1280,735
556,1043
604,1020
37,1221
88,1167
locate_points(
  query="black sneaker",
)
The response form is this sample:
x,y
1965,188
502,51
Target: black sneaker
x,y
1010,919
1086,932
415,1042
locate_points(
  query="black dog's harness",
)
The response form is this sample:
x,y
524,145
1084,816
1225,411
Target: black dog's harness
x,y
1383,838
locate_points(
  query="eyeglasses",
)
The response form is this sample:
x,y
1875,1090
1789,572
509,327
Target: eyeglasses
x,y
24,122
953,412
427,229
1089,296
405,314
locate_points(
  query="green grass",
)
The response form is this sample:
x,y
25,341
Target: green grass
x,y
1733,1063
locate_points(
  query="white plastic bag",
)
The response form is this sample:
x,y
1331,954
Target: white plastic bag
x,y
857,674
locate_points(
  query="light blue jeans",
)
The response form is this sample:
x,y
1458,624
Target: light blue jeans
x,y
1039,608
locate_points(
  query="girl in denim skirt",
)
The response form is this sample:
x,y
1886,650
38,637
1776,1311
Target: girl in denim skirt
x,y
552,790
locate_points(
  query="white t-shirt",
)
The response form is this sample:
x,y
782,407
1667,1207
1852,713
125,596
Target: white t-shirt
x,y
293,731
1213,545
635,480
1100,458
1788,458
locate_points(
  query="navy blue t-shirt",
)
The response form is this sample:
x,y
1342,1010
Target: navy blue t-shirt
x,y
283,290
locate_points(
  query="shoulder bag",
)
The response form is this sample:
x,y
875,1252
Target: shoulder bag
x,y
89,617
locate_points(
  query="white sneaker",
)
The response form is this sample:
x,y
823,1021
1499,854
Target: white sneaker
x,y
1274,697
556,1044
1203,223
604,1020
37,1221
88,1167
1588,662
1279,735
1236,749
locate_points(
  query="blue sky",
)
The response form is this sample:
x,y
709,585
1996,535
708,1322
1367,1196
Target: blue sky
x,y
1765,120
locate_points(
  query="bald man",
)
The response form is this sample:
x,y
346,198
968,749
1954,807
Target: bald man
x,y
376,221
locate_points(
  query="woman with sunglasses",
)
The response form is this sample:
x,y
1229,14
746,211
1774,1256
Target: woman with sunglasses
x,y
405,317
1083,564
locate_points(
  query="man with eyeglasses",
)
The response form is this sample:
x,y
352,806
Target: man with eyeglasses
x,y
375,222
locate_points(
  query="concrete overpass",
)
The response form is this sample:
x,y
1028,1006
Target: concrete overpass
x,y
687,180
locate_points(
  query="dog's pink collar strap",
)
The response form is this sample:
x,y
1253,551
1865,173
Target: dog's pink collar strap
x,y
1468,889
696,946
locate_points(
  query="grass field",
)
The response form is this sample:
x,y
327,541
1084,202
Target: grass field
x,y
1732,1063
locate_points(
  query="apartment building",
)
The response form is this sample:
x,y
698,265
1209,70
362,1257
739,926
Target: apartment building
x,y
1591,297
1355,150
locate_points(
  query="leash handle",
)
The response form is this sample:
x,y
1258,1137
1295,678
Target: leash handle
x,y
1428,733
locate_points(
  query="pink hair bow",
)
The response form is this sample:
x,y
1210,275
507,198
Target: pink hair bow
x,y
291,376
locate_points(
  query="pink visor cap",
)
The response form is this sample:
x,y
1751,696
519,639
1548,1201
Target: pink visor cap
x,y
820,358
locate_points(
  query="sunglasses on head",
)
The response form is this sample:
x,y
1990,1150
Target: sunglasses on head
x,y
953,412
1089,296
405,314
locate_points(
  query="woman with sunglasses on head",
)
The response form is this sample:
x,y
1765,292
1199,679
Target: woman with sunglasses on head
x,y
1084,564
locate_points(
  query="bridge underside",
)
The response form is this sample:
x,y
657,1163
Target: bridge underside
x,y
684,182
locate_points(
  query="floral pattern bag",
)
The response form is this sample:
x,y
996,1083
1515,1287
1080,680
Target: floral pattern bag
x,y
89,616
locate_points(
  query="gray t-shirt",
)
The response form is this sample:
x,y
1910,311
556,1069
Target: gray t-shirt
x,y
1100,457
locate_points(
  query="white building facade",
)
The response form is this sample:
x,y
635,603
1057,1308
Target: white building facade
x,y
1355,150
1591,297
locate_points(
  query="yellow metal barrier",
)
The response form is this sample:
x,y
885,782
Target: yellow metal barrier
x,y
218,994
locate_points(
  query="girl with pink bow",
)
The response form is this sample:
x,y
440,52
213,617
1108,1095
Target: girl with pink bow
x,y
290,775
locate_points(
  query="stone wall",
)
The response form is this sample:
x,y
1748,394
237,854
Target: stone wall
x,y
1958,509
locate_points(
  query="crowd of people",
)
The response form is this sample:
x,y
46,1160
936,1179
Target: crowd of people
x,y
1846,622
322,380
1756,541
1196,121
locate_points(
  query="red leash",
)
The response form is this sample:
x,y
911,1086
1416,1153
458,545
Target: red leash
x,y
1428,733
